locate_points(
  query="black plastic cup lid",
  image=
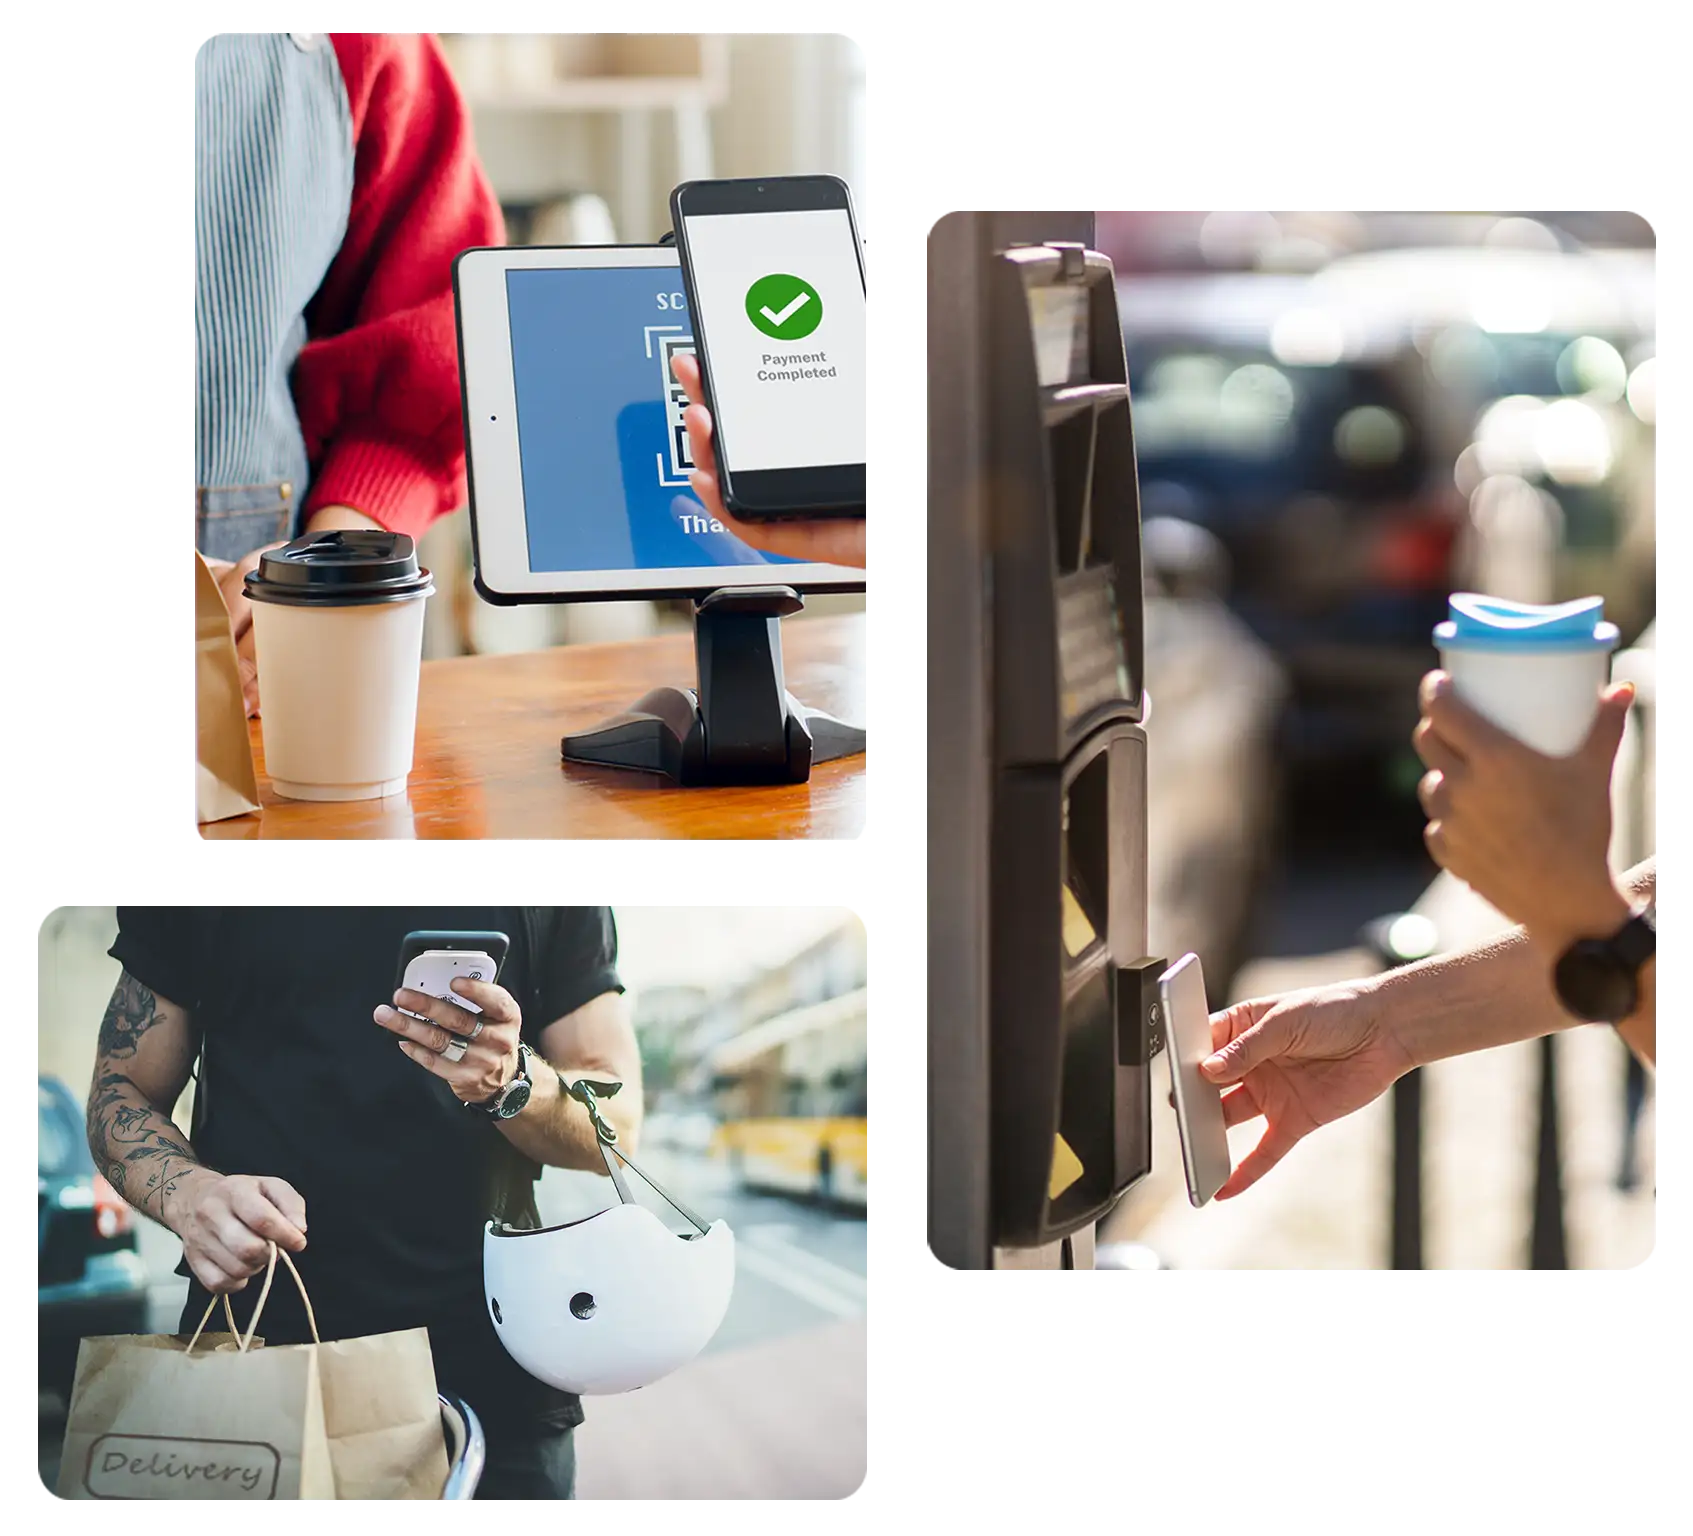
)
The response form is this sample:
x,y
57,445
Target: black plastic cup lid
x,y
340,568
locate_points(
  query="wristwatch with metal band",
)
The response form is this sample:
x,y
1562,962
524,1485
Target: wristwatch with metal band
x,y
511,1098
1599,979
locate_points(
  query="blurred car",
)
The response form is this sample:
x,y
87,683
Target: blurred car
x,y
1539,370
91,1278
1338,516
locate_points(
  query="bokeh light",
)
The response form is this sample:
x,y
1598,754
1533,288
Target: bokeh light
x,y
1370,435
1643,391
1591,366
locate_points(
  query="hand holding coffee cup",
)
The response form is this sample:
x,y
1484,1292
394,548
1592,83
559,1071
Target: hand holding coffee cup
x,y
1519,732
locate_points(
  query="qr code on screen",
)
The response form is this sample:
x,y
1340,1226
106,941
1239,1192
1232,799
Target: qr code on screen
x,y
676,399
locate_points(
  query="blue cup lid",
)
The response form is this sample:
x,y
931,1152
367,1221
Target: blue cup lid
x,y
1476,622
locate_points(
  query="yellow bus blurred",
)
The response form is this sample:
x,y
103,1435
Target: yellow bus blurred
x,y
791,1102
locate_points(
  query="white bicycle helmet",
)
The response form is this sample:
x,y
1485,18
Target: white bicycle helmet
x,y
614,1301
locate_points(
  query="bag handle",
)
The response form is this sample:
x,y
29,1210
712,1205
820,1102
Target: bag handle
x,y
205,1317
244,1344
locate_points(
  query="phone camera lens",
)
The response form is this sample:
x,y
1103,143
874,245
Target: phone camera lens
x,y
582,1306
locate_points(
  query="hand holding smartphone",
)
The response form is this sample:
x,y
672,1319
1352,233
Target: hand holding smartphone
x,y
1199,1103
430,961
775,284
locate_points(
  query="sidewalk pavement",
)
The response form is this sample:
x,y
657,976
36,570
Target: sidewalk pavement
x,y
1327,1205
778,1420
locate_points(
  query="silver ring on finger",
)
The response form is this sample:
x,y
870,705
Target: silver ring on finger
x,y
475,1031
455,1048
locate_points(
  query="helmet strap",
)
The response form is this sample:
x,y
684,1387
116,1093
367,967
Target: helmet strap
x,y
588,1094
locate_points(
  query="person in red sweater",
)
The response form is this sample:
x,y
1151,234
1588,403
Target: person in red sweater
x,y
335,182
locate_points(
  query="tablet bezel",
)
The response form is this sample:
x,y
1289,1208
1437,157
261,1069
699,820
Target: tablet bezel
x,y
499,538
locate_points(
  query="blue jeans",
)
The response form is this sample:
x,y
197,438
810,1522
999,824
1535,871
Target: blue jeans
x,y
233,520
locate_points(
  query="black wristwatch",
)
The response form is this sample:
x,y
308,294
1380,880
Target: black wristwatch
x,y
510,1099
1599,979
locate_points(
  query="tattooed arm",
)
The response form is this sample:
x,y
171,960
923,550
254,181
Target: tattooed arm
x,y
146,1052
144,1058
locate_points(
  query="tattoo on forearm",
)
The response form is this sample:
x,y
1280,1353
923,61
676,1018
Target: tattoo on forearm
x,y
132,1011
140,1151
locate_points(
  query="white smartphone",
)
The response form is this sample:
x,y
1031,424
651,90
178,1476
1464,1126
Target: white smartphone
x,y
774,278
1199,1103
433,972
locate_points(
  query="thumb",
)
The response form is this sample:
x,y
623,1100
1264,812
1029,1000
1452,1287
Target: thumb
x,y
1251,1048
1605,736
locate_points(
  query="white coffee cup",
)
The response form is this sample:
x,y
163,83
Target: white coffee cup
x,y
338,633
1534,670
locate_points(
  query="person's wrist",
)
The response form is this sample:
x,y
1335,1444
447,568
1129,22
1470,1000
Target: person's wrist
x,y
1392,1023
541,1089
338,516
180,1195
1594,912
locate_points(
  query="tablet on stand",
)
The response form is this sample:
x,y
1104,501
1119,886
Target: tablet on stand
x,y
579,490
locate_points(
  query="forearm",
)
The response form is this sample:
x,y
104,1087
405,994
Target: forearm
x,y
554,1128
1496,994
137,1146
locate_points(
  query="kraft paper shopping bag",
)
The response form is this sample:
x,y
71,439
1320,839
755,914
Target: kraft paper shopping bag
x,y
382,1417
225,784
352,1419
153,1418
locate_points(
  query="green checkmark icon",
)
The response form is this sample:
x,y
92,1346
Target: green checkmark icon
x,y
784,307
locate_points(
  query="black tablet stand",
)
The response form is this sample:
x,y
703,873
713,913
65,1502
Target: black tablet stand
x,y
741,725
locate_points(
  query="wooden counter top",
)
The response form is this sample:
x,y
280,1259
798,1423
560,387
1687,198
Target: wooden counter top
x,y
488,763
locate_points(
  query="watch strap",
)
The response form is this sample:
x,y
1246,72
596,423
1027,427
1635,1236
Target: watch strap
x,y
1637,940
1598,979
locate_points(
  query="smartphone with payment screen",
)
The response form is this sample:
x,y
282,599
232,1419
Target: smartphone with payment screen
x,y
775,284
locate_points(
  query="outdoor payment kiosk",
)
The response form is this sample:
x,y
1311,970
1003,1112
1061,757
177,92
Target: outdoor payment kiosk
x,y
1043,1013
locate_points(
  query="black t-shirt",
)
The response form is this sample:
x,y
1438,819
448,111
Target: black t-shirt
x,y
299,1082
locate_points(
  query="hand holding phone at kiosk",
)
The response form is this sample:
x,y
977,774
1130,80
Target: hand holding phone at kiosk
x,y
775,284
820,540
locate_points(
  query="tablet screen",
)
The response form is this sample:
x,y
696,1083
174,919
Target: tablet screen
x,y
603,456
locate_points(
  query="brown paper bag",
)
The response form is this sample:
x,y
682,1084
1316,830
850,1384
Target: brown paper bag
x,y
151,1418
224,783
369,1422
382,1417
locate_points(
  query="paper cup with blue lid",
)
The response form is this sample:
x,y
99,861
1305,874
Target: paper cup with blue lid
x,y
1533,669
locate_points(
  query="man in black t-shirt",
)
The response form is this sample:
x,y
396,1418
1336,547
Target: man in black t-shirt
x,y
319,1100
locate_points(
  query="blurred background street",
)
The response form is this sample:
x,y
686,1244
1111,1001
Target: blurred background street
x,y
752,1028
1340,419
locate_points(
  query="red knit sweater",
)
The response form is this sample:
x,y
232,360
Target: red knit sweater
x,y
377,385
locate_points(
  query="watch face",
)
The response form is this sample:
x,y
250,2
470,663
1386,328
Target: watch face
x,y
1594,984
516,1095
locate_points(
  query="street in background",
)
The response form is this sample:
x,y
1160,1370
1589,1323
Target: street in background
x,y
1340,419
